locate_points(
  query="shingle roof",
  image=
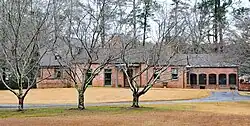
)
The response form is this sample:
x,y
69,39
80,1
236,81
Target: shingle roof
x,y
209,60
139,55
49,60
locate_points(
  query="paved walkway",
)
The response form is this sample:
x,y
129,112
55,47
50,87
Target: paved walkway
x,y
214,97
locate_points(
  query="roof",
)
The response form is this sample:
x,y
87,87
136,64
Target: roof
x,y
49,59
208,60
138,55
135,56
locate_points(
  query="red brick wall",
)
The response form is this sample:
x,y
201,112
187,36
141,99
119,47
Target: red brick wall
x,y
47,80
165,77
216,71
118,77
98,81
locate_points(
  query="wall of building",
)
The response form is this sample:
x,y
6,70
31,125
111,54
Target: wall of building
x,y
47,79
165,78
117,77
98,81
217,71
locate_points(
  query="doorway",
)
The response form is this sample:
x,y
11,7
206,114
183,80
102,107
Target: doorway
x,y
107,77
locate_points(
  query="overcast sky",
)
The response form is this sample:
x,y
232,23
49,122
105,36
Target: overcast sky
x,y
236,4
244,3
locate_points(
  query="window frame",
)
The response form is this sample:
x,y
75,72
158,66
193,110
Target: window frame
x,y
174,75
88,74
156,74
107,71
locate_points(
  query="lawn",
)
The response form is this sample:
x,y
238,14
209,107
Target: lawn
x,y
195,114
99,95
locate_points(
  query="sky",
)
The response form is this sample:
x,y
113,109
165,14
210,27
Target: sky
x,y
236,4
244,3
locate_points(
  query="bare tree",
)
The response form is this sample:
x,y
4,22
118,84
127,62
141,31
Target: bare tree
x,y
238,37
86,44
152,57
23,27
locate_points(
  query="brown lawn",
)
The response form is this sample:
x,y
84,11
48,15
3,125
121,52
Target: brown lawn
x,y
172,118
192,114
98,95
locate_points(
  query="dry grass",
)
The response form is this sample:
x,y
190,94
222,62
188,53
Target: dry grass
x,y
236,108
205,114
98,95
172,118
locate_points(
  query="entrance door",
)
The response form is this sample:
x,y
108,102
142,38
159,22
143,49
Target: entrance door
x,y
130,74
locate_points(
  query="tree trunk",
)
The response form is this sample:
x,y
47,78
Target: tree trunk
x,y
144,28
135,101
81,100
134,24
216,26
221,37
20,103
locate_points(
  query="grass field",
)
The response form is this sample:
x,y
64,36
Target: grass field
x,y
195,114
98,95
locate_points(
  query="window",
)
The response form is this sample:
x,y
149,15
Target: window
x,y
156,74
174,72
232,79
222,79
202,79
212,79
88,75
107,76
58,73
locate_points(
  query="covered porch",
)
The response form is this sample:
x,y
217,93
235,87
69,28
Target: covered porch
x,y
212,79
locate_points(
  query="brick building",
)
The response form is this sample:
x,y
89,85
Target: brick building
x,y
185,71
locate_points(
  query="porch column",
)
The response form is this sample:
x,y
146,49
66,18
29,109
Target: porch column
x,y
189,78
197,78
207,79
227,78
217,80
